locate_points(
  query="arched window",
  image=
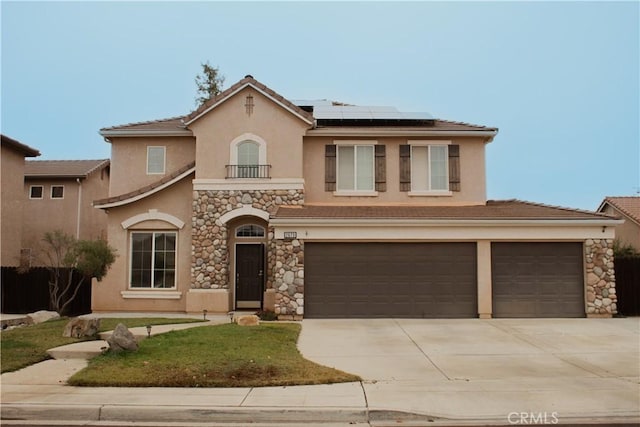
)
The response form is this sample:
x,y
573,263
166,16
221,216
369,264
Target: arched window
x,y
250,230
248,153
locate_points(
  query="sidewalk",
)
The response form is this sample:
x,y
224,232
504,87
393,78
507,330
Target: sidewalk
x,y
571,392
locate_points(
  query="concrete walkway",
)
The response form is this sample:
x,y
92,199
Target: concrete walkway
x,y
416,372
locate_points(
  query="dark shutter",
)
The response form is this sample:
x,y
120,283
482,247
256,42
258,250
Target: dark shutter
x,y
454,167
381,168
405,167
330,167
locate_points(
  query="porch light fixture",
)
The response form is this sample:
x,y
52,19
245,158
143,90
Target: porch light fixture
x,y
148,331
204,314
230,317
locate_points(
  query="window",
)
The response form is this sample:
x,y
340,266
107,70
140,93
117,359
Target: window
x,y
155,160
248,159
250,230
35,192
355,168
153,260
429,168
57,191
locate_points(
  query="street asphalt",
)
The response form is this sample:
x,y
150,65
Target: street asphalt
x,y
415,372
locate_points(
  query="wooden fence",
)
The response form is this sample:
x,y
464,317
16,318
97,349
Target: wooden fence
x,y
628,285
29,292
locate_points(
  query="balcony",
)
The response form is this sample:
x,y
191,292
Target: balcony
x,y
248,171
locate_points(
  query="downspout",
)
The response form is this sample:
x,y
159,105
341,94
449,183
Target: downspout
x,y
79,207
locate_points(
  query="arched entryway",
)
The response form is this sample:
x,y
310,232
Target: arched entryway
x,y
247,246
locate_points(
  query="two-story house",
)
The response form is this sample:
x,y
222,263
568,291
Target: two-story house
x,y
320,209
12,160
59,195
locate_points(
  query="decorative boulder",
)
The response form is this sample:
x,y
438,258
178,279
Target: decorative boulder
x,y
248,320
122,340
77,328
41,316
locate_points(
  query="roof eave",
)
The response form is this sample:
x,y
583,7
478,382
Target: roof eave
x,y
490,134
146,132
457,222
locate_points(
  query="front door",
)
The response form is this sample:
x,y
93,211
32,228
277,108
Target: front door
x,y
249,275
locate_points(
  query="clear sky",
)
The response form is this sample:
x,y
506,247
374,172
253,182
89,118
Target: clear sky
x,y
559,79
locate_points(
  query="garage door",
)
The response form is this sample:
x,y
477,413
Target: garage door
x,y
537,280
390,280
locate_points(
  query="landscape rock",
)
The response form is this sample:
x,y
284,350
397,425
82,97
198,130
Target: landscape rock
x,y
77,328
42,316
248,320
122,340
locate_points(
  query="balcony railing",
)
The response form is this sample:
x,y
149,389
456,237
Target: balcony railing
x,y
248,171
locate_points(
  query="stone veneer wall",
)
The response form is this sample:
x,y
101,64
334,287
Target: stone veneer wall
x,y
209,241
601,280
289,279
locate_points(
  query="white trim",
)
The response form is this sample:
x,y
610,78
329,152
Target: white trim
x,y
153,254
264,231
148,193
41,192
355,142
151,294
432,193
153,214
240,89
245,210
164,159
355,193
385,222
399,132
51,192
427,142
248,137
408,231
248,184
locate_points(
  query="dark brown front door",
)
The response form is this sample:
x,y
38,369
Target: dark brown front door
x,y
249,275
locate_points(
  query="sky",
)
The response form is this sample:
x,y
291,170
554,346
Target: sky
x,y
559,79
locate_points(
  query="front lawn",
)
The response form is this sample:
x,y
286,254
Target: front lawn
x,y
22,347
212,356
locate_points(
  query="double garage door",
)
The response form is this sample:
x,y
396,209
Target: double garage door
x,y
439,280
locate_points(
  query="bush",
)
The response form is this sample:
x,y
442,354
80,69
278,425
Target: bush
x,y
267,315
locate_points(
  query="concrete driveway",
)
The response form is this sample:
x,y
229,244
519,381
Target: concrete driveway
x,y
562,368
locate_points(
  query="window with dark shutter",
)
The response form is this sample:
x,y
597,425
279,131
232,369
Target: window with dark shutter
x,y
405,167
454,168
329,168
381,168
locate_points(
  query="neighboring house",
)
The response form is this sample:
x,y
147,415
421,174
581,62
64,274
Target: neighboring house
x,y
12,184
58,196
320,209
627,208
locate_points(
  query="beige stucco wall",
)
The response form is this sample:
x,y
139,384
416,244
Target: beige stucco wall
x,y
472,170
129,160
627,233
279,128
47,214
175,201
11,208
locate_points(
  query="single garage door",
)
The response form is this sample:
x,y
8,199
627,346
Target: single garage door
x,y
537,280
415,280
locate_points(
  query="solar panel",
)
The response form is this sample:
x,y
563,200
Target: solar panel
x,y
352,112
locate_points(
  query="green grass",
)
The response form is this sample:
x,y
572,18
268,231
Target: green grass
x,y
22,347
212,356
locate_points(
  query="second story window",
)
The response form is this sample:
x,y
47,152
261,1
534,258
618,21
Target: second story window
x,y
429,168
248,160
35,192
57,191
355,168
155,160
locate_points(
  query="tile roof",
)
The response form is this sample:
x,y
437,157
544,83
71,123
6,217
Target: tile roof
x,y
249,80
494,209
18,146
630,206
147,188
62,168
171,123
